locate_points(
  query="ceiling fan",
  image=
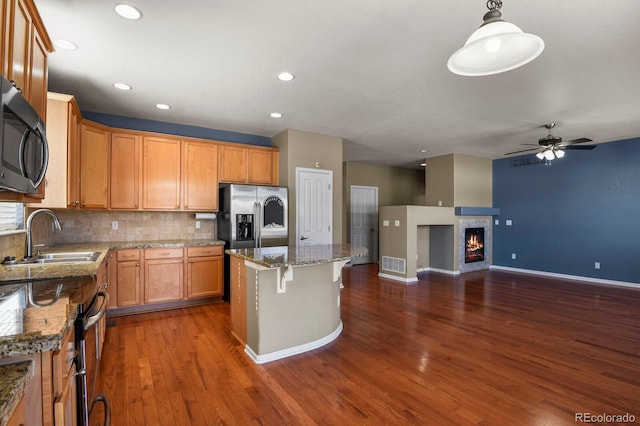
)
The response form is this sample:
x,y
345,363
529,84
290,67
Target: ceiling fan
x,y
551,146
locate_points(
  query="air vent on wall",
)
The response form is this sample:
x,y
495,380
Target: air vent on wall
x,y
394,264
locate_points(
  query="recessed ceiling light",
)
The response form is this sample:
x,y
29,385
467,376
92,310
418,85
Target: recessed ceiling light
x,y
128,11
424,150
275,115
65,44
423,164
122,86
286,76
163,106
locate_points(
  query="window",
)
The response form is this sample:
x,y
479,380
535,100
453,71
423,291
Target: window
x,y
11,216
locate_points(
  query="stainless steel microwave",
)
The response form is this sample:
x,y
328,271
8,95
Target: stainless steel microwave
x,y
23,145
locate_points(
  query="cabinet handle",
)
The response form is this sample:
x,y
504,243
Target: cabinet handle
x,y
137,264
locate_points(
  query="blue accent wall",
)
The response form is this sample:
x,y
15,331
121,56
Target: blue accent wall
x,y
582,209
174,129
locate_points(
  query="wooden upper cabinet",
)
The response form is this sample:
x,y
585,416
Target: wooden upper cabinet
x,y
239,164
18,41
94,165
232,164
26,46
125,180
262,166
63,118
161,173
38,75
199,176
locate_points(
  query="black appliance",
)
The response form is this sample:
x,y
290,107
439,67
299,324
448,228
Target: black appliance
x,y
89,337
24,152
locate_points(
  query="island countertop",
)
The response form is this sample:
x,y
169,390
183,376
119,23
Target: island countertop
x,y
275,257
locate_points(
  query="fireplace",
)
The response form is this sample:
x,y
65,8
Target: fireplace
x,y
473,245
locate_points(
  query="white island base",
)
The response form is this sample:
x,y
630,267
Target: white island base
x,y
292,309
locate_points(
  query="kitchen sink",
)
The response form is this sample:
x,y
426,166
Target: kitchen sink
x,y
62,257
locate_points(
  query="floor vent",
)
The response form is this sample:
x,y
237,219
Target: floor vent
x,y
394,264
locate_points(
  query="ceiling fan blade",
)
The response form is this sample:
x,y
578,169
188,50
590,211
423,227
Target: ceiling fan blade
x,y
524,150
575,141
583,147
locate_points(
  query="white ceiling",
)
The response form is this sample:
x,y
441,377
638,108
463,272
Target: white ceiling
x,y
370,71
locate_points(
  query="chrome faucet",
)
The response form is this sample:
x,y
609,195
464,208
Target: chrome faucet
x,y
29,244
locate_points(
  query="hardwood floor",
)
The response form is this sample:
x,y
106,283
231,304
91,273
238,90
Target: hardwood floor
x,y
486,347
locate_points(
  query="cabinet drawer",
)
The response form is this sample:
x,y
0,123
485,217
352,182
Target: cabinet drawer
x,y
124,255
205,251
63,362
163,253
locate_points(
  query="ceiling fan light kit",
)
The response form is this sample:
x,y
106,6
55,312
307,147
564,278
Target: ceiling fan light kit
x,y
497,46
553,147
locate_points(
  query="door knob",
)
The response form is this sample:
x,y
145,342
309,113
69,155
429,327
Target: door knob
x,y
303,238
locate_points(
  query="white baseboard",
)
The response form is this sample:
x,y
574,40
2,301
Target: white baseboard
x,y
568,277
441,271
413,280
273,356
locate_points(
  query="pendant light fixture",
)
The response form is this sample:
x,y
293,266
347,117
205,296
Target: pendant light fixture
x,y
497,46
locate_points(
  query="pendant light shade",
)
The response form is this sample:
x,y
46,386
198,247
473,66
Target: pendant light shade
x,y
497,46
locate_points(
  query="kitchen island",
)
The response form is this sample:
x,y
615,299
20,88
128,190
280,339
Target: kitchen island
x,y
286,300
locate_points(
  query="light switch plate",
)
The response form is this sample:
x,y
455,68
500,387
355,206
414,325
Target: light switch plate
x,y
385,223
508,222
397,223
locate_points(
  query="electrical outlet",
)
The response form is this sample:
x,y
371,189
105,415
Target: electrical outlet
x,y
197,224
513,255
597,265
114,225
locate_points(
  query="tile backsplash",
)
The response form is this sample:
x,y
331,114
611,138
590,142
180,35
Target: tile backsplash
x,y
96,226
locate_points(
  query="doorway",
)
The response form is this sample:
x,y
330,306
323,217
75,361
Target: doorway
x,y
314,206
364,221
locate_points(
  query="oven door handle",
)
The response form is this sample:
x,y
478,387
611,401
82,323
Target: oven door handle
x,y
107,408
93,319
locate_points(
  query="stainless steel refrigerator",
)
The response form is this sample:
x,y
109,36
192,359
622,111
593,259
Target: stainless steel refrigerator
x,y
251,216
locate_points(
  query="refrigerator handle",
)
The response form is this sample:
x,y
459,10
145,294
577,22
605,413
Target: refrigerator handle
x,y
257,234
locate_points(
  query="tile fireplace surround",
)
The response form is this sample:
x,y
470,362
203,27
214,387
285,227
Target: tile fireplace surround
x,y
474,266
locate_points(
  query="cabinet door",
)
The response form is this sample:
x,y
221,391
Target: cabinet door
x,y
261,167
238,299
124,184
232,164
204,276
200,176
38,75
112,280
73,159
94,166
128,283
161,174
19,39
163,280
64,407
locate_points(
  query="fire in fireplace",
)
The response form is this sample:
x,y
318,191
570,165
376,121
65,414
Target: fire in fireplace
x,y
473,245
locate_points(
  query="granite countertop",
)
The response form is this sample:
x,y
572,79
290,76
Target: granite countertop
x,y
17,273
274,257
14,379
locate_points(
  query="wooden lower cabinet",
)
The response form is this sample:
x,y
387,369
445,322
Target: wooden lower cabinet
x,y
238,299
163,275
160,278
128,278
204,271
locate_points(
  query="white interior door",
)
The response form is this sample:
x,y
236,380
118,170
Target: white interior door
x,y
314,206
364,221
